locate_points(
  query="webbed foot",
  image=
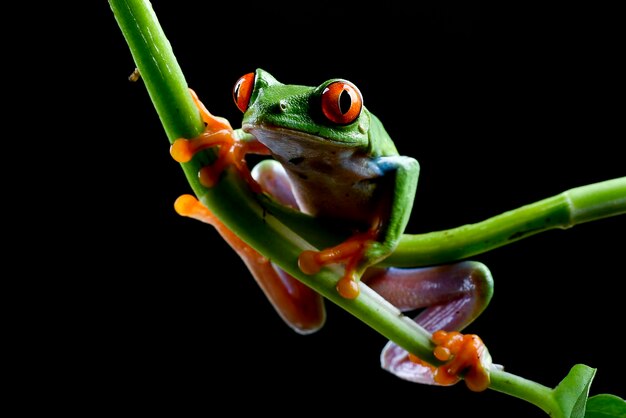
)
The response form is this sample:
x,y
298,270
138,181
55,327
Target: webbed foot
x,y
232,151
350,252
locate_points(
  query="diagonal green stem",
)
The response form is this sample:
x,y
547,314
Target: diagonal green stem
x,y
274,233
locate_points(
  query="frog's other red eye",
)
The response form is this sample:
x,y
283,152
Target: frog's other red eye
x,y
243,90
341,102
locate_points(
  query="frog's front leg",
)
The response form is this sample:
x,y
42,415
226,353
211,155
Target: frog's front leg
x,y
395,195
451,297
233,146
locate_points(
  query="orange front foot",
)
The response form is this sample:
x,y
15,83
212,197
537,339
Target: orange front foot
x,y
218,132
462,354
351,253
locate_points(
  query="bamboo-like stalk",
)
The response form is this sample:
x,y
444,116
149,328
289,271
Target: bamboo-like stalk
x,y
275,234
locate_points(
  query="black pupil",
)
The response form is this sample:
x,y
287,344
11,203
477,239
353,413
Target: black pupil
x,y
237,87
345,101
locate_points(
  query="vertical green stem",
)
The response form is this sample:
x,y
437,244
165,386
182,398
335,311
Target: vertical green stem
x,y
161,74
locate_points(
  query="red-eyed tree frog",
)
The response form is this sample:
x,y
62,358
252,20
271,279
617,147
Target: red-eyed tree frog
x,y
332,158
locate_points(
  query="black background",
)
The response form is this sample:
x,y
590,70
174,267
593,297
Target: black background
x,y
503,104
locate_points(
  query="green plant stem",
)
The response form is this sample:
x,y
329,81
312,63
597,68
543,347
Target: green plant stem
x,y
232,202
575,206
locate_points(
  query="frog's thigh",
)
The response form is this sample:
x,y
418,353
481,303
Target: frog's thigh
x,y
273,179
452,297
298,305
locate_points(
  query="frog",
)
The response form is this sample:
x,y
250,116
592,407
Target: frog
x,y
329,157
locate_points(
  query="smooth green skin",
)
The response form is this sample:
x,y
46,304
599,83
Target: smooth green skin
x,y
331,158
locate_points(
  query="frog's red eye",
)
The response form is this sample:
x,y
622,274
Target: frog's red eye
x,y
341,102
243,90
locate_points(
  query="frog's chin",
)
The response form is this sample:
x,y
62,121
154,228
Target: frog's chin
x,y
289,141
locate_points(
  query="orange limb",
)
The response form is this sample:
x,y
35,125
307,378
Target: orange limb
x,y
350,252
298,305
232,151
461,354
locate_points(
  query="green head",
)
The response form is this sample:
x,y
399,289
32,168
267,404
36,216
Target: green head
x,y
333,112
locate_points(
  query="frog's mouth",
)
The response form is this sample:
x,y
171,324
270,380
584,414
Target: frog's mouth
x,y
289,143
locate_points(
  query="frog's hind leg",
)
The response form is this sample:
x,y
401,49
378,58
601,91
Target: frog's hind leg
x,y
298,305
450,296
307,313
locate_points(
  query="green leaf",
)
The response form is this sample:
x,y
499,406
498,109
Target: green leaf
x,y
572,393
606,406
